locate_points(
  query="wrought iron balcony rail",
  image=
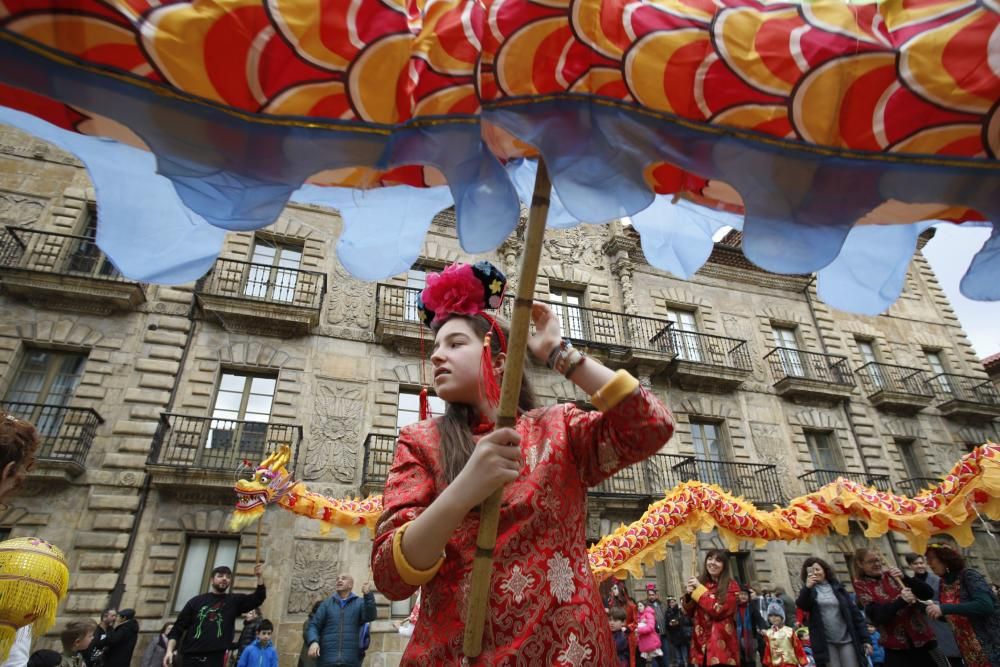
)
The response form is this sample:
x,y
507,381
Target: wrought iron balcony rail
x,y
912,486
265,283
60,254
877,377
756,482
379,450
67,433
589,327
709,349
816,479
650,478
208,443
787,362
950,387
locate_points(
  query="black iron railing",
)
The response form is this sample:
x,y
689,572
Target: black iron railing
x,y
711,350
379,450
912,486
756,482
650,478
787,362
208,443
583,326
52,252
264,283
815,479
876,377
66,433
950,387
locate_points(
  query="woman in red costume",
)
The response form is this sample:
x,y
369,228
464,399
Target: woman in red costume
x,y
620,598
545,608
711,603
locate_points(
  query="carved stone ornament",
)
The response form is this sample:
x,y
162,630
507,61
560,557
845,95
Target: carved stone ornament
x,y
350,300
315,567
20,210
770,446
576,245
332,451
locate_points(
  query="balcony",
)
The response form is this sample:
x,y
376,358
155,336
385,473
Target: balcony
x,y
647,479
914,485
810,376
64,272
964,397
66,433
262,299
816,479
618,339
379,450
708,363
895,388
190,449
755,482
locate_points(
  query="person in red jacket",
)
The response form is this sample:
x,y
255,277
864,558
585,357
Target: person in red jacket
x,y
711,603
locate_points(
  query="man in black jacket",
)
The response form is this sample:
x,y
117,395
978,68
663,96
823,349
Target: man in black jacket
x,y
119,643
205,626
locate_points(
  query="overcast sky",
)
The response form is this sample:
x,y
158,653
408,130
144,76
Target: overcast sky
x,y
949,253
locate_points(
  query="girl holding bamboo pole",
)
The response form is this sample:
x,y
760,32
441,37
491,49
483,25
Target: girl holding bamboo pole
x,y
545,608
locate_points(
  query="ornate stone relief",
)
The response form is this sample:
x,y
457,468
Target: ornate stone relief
x,y
794,564
767,440
350,300
574,246
315,567
20,210
332,451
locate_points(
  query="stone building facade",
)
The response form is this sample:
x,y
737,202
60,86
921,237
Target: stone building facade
x,y
150,396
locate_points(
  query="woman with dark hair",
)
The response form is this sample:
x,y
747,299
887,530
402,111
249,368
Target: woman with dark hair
x,y
157,648
620,599
710,601
838,631
544,602
969,606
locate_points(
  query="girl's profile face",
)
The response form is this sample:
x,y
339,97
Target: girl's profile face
x,y
614,590
456,358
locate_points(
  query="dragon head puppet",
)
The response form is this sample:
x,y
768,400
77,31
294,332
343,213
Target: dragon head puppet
x,y
270,481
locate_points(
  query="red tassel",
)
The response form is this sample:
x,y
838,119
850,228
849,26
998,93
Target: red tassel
x,y
425,405
489,387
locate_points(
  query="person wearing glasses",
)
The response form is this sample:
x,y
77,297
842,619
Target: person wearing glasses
x,y
894,602
968,604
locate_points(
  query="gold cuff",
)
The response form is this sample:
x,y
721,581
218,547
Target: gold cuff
x,y
615,391
409,574
698,592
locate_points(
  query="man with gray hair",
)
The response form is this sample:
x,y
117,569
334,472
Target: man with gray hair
x,y
334,631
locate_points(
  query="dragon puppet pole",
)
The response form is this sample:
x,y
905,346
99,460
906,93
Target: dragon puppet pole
x,y
260,524
489,511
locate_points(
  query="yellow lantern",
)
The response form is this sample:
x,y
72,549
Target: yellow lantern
x,y
33,579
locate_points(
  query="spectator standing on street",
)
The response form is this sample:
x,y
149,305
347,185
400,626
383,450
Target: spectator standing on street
x,y
946,642
75,639
153,656
261,651
335,629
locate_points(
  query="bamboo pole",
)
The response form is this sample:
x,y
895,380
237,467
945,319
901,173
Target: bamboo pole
x,y
517,344
260,526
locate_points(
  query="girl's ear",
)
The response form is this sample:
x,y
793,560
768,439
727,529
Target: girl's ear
x,y
500,361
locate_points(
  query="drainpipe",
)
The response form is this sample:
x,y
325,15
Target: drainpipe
x,y
845,404
118,592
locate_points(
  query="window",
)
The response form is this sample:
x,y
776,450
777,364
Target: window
x,y
787,345
203,554
46,380
911,461
408,408
273,273
241,412
867,351
685,334
823,451
416,280
710,451
937,369
85,256
568,309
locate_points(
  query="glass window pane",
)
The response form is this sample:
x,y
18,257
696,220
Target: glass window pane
x,y
263,385
228,401
408,401
260,405
225,554
232,382
193,571
263,252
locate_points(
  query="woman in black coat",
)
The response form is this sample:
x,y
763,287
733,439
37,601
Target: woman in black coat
x,y
838,631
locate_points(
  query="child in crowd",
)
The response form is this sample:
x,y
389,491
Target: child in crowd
x,y
76,638
261,653
803,634
650,646
616,620
878,651
782,647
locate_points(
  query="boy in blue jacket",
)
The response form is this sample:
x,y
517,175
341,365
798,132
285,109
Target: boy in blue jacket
x,y
261,652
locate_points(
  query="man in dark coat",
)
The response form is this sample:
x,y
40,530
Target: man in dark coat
x,y
119,644
335,628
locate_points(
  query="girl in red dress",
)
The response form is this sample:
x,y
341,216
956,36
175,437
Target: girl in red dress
x,y
711,603
545,608
620,598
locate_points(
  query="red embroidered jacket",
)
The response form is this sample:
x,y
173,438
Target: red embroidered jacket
x,y
545,608
714,619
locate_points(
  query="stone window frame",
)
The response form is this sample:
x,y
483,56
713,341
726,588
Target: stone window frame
x,y
917,447
718,409
251,371
835,448
816,419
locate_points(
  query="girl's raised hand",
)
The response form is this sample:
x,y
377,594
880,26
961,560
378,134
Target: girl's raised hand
x,y
547,334
495,461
